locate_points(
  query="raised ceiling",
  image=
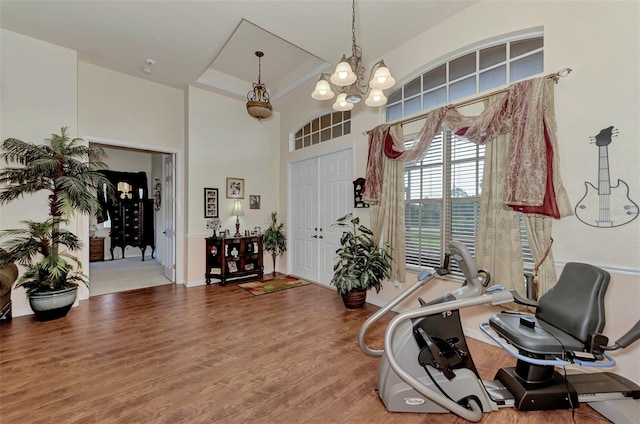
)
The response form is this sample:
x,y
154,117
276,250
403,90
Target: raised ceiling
x,y
211,44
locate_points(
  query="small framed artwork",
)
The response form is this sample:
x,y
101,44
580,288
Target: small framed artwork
x,y
233,267
254,201
210,202
235,188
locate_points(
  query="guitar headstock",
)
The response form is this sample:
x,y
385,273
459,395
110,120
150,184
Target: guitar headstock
x,y
604,136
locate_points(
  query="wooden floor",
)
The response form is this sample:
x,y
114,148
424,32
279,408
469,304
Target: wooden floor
x,y
210,354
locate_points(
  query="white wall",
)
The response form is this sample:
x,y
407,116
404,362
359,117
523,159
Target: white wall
x,y
600,41
224,141
38,85
116,106
121,110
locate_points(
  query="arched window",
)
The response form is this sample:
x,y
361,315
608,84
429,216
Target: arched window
x,y
323,128
442,189
470,73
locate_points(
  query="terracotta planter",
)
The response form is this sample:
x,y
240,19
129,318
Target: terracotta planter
x,y
354,299
52,305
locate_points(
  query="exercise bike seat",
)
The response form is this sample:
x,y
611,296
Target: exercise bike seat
x,y
567,316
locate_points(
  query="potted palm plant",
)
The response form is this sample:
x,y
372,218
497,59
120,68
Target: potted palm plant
x,y
361,265
65,169
274,240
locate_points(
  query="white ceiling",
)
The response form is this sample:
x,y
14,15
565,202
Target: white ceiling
x,y
211,43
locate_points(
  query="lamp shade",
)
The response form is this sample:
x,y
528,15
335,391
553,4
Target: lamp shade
x,y
323,90
259,110
237,208
382,78
342,104
343,74
376,98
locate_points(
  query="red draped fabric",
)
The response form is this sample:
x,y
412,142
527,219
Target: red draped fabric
x,y
523,111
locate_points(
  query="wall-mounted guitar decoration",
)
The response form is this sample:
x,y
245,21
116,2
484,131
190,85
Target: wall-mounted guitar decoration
x,y
606,206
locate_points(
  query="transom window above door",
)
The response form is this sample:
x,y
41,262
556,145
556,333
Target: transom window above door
x,y
323,128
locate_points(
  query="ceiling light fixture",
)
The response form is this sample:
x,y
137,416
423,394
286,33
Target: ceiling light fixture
x,y
258,104
349,78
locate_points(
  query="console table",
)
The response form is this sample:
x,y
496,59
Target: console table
x,y
236,258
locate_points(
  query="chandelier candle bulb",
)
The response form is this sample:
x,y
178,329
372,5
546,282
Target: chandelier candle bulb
x,y
342,104
376,98
323,90
382,78
343,74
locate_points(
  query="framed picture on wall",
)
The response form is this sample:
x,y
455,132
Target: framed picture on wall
x,y
211,203
235,188
254,201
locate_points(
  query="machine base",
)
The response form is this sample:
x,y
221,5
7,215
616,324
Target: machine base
x,y
558,395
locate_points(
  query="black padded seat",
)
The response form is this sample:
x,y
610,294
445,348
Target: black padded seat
x,y
542,340
565,317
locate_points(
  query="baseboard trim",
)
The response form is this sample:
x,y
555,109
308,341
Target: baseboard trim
x,y
198,283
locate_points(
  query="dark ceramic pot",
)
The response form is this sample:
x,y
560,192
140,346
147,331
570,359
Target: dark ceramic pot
x,y
354,299
52,305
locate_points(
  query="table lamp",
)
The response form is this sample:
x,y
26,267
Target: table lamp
x,y
237,211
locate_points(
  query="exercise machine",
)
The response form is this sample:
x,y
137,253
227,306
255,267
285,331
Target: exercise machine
x,y
427,367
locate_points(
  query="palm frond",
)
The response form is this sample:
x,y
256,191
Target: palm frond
x,y
69,171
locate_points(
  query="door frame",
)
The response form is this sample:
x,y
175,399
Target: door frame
x,y
303,157
177,241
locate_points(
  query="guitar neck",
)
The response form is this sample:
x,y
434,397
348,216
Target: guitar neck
x,y
604,186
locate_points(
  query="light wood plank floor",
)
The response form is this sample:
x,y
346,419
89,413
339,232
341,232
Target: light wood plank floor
x,y
210,354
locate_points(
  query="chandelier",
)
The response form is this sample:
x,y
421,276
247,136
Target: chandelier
x,y
349,78
258,104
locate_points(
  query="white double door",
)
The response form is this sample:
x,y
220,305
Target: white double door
x,y
321,192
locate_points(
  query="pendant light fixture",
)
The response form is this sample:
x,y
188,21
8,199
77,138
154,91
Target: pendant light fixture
x,y
349,80
258,105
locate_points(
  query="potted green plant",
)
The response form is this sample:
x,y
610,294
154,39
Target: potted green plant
x,y
274,240
361,265
67,170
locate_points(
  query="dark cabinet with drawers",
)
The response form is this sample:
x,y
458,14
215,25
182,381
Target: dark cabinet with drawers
x,y
132,225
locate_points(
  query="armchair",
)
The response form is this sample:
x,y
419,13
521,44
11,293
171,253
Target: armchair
x,y
8,275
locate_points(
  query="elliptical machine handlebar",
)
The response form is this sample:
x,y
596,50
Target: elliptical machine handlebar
x,y
424,277
473,287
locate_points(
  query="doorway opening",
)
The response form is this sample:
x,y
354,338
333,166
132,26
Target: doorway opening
x,y
133,267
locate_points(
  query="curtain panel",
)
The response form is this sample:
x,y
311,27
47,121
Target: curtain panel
x,y
532,183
